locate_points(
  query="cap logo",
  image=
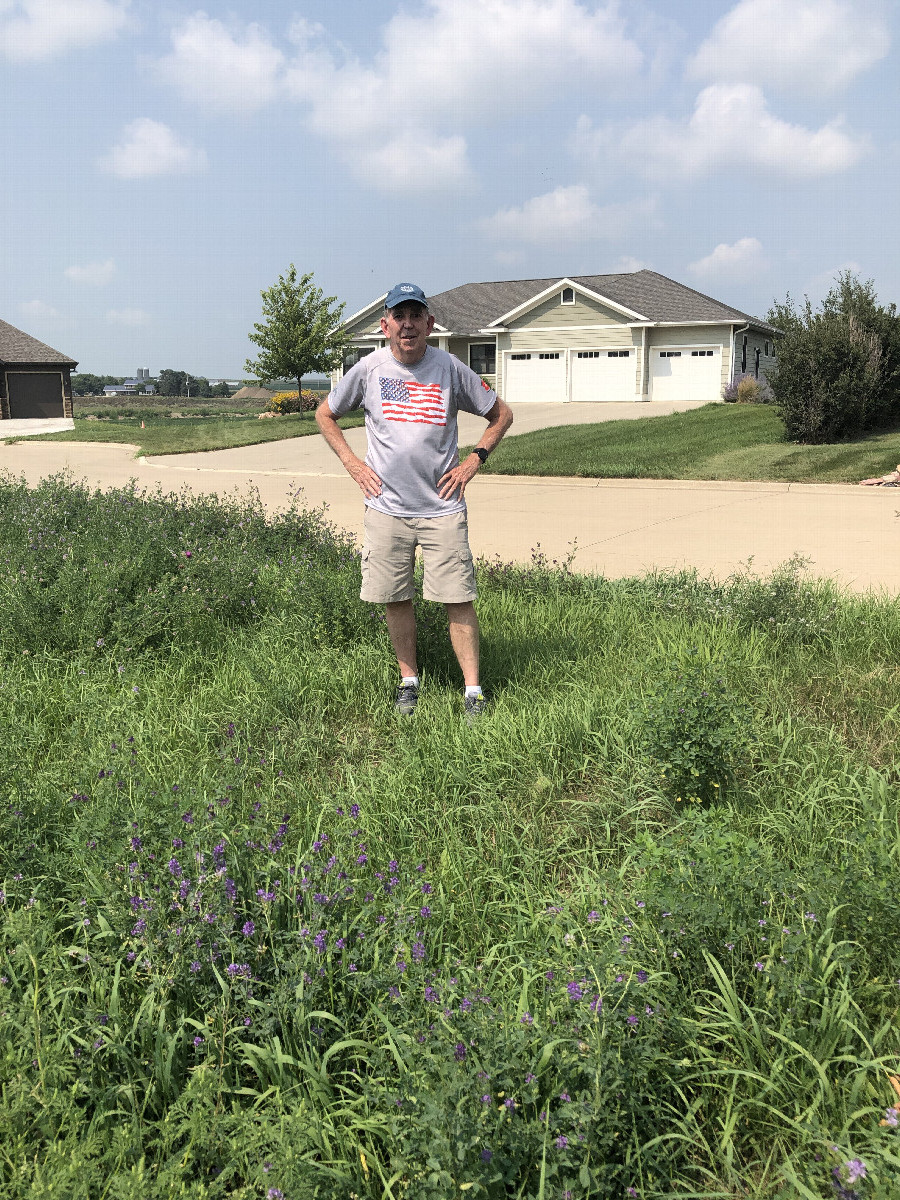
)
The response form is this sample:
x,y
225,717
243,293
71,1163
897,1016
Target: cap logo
x,y
406,288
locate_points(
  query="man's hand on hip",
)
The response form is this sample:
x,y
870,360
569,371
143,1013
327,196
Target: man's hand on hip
x,y
368,481
458,477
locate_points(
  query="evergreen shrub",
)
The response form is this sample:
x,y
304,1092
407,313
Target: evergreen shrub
x,y
838,372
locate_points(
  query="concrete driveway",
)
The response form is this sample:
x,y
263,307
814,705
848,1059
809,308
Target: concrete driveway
x,y
621,527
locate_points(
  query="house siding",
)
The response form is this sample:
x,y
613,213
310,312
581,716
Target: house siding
x,y
553,314
754,341
366,324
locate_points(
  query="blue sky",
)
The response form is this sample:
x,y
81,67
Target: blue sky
x,y
165,162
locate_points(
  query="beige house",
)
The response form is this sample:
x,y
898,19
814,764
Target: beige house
x,y
638,336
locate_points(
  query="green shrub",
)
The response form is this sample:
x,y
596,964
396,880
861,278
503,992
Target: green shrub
x,y
695,731
838,371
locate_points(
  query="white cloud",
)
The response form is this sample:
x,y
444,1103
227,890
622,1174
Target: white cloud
x,y
567,214
627,263
38,310
94,274
444,66
151,148
563,215
220,68
35,30
810,46
740,260
731,127
132,318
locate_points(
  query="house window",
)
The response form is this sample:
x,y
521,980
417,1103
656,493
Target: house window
x,y
519,357
618,353
549,355
354,354
588,353
568,296
756,367
483,358
767,349
670,354
701,354
744,354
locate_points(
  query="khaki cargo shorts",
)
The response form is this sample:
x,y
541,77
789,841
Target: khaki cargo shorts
x,y
389,554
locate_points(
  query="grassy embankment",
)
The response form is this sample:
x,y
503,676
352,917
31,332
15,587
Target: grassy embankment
x,y
715,442
201,425
258,938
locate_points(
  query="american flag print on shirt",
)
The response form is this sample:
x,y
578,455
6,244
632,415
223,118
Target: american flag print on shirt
x,y
418,402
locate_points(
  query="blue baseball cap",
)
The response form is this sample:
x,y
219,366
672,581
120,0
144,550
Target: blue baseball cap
x,y
401,292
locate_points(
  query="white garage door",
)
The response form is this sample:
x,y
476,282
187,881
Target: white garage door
x,y
686,374
603,374
535,375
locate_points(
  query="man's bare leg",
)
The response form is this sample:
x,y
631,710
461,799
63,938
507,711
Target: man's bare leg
x,y
401,624
464,636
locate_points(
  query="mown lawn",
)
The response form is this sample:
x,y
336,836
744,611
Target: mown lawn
x,y
259,939
166,435
715,442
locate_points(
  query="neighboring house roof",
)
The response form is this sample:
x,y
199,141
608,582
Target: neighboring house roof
x,y
472,307
19,347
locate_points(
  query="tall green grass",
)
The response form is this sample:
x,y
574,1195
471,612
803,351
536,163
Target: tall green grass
x,y
259,938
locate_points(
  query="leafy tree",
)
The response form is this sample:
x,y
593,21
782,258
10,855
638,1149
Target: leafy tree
x,y
180,383
85,384
301,331
838,371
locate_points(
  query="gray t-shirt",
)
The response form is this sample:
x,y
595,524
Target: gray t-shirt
x,y
411,425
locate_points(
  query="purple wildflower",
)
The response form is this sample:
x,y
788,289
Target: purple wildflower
x,y
574,990
460,1052
561,1142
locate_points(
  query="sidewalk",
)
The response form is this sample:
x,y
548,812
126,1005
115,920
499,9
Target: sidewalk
x,y
622,526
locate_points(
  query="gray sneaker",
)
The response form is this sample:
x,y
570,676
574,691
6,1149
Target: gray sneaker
x,y
407,699
476,706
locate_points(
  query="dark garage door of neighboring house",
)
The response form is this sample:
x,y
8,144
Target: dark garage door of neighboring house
x,y
35,393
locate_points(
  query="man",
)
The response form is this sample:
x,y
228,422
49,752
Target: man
x,y
414,483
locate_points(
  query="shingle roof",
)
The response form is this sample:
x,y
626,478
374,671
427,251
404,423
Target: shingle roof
x,y
474,306
19,347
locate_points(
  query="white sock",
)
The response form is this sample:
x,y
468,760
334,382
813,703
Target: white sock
x,y
410,679
473,690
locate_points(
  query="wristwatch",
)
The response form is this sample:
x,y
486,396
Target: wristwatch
x,y
481,452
